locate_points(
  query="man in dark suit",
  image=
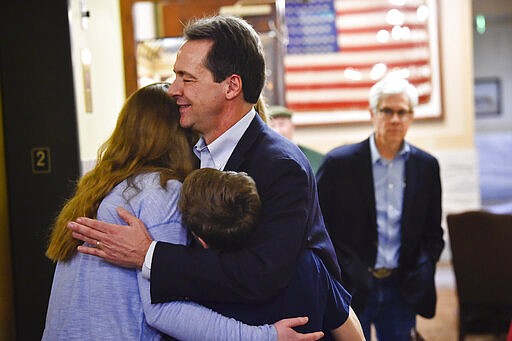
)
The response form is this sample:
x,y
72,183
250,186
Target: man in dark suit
x,y
381,201
219,77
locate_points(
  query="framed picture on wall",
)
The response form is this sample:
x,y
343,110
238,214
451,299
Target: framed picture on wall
x,y
487,96
337,51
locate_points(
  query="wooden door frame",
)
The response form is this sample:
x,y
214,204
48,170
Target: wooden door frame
x,y
129,47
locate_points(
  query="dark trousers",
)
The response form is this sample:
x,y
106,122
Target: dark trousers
x,y
393,319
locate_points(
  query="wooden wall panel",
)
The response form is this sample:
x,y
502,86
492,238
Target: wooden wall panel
x,y
176,14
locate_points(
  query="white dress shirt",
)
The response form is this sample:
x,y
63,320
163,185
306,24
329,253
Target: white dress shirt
x,y
389,185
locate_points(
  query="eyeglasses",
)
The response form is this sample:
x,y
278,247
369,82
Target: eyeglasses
x,y
388,113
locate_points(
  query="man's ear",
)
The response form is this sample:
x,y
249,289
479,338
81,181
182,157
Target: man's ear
x,y
372,113
234,86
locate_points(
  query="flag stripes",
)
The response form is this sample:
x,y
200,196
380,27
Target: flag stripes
x,y
373,39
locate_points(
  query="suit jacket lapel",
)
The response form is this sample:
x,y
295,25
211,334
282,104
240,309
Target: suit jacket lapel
x,y
245,143
365,177
411,184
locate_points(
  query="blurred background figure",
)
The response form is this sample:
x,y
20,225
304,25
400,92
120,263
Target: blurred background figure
x,y
381,202
280,119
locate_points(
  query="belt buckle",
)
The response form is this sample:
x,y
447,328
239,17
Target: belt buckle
x,y
382,273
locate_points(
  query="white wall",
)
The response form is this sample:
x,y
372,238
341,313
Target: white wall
x,y
493,59
103,39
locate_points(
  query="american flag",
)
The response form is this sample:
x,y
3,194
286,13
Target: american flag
x,y
338,49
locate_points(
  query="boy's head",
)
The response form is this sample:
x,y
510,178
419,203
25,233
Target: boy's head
x,y
220,208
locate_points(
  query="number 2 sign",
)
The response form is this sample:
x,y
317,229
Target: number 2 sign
x,y
41,161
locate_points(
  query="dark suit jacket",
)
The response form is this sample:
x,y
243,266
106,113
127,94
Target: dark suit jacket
x,y
312,292
347,199
290,221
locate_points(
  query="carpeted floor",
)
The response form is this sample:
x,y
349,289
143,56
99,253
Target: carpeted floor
x,y
443,327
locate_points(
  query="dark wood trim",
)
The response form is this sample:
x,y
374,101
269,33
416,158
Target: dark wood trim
x,y
129,52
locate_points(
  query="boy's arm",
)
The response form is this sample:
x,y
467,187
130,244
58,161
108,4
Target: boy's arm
x,y
176,318
349,330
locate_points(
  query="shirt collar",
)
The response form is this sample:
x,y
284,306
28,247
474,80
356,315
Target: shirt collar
x,y
222,147
404,151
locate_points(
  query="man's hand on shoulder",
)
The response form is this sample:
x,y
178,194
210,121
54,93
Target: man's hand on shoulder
x,y
118,244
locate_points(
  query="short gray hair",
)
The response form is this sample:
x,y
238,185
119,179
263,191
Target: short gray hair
x,y
392,86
